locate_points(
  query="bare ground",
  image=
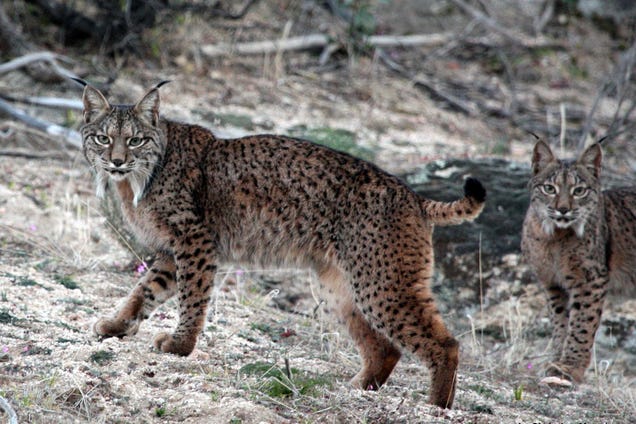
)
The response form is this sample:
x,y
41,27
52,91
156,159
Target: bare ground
x,y
61,268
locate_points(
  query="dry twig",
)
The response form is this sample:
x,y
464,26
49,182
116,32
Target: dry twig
x,y
28,59
52,102
71,137
13,418
431,86
491,23
312,41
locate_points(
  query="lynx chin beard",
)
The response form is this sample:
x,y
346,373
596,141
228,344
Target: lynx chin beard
x,y
548,224
138,182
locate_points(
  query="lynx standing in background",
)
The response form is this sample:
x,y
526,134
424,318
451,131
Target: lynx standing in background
x,y
580,241
202,202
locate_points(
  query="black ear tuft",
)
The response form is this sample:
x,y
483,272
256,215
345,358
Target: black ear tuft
x,y
162,83
80,81
474,189
536,137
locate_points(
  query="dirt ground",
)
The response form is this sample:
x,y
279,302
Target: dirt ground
x,y
269,353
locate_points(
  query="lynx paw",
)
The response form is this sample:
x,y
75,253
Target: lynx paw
x,y
363,383
109,327
564,371
169,344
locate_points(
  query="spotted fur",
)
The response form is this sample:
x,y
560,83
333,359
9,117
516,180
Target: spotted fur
x,y
201,202
581,242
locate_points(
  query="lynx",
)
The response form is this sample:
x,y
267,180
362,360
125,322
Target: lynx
x,y
202,201
580,241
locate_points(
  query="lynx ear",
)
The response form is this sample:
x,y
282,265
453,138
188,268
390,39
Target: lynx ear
x,y
95,103
542,156
591,159
148,107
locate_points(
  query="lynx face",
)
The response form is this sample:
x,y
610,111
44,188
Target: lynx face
x,y
564,193
122,142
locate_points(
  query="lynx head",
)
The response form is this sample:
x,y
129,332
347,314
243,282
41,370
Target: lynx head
x,y
565,193
122,141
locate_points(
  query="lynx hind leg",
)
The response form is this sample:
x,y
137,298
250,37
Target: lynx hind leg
x,y
395,297
157,286
379,356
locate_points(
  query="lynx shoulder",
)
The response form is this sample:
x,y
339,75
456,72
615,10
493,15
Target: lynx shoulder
x,y
202,202
580,242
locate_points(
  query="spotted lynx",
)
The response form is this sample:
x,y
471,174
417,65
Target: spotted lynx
x,y
202,202
580,241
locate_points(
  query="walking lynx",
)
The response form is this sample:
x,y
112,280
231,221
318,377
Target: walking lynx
x,y
578,239
201,202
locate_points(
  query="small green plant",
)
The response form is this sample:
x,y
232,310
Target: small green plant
x,y
234,120
482,390
66,281
518,392
160,411
102,357
335,138
26,282
276,382
267,330
7,318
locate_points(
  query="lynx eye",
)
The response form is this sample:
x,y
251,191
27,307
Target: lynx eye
x,y
101,139
136,141
579,191
548,189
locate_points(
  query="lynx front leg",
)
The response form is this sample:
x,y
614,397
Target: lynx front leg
x,y
157,286
586,306
195,275
558,302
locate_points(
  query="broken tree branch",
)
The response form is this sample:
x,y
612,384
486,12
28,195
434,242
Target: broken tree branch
x,y
70,137
429,85
52,102
491,23
314,41
311,41
29,154
268,46
30,58
13,418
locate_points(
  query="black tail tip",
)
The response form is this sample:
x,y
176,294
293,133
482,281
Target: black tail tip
x,y
474,189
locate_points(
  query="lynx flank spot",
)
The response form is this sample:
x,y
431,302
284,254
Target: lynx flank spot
x,y
201,202
580,241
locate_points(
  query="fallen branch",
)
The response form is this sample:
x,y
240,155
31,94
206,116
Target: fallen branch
x,y
491,23
70,137
30,58
431,86
29,154
312,41
13,418
52,102
268,46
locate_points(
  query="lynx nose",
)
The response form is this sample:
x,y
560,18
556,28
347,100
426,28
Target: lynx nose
x,y
562,211
117,162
